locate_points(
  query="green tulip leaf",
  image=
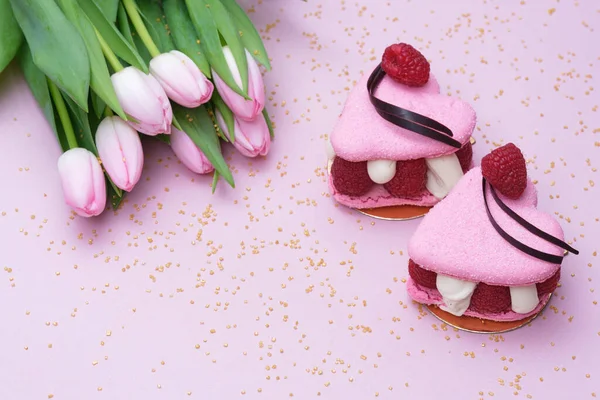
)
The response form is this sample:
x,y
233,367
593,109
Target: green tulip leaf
x,y
109,32
98,105
164,138
269,123
100,79
132,37
227,115
153,16
215,180
114,195
123,23
95,103
184,35
248,33
207,31
10,34
229,32
109,8
198,125
39,87
81,126
57,48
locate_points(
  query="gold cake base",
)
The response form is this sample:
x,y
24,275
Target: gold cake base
x,y
478,325
395,213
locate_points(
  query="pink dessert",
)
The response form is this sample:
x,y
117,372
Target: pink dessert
x,y
399,142
485,251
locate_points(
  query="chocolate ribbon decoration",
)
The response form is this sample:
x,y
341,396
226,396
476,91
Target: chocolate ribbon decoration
x,y
551,258
406,119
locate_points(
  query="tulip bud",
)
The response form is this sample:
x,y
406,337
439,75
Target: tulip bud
x,y
120,150
188,153
82,181
181,79
244,109
252,138
142,98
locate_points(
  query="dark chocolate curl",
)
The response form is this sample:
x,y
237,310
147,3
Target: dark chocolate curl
x,y
551,258
406,119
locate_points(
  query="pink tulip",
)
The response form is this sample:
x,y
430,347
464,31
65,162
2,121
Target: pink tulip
x,y
181,78
252,138
188,153
247,110
142,98
82,181
120,150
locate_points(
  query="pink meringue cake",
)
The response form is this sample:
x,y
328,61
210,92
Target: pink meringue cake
x,y
396,144
485,251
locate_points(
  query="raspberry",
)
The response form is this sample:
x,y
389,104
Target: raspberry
x,y
548,285
490,299
465,156
409,181
422,276
350,178
505,170
404,64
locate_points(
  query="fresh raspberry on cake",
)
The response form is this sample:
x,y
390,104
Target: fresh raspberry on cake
x,y
549,284
421,276
405,64
505,169
490,299
350,178
409,181
465,156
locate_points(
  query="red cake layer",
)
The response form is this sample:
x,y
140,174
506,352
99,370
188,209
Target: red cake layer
x,y
352,179
486,298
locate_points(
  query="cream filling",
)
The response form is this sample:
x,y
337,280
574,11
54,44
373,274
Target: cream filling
x,y
329,150
456,294
443,173
381,171
524,299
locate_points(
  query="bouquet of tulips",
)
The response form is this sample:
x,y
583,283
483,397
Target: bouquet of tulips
x,y
105,71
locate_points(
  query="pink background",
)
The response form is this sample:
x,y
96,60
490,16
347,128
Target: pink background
x,y
271,290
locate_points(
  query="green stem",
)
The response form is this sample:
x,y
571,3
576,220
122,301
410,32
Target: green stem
x,y
109,54
108,112
63,114
140,28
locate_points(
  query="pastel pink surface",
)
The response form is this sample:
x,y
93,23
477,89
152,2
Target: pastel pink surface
x,y
361,134
425,295
457,239
285,291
